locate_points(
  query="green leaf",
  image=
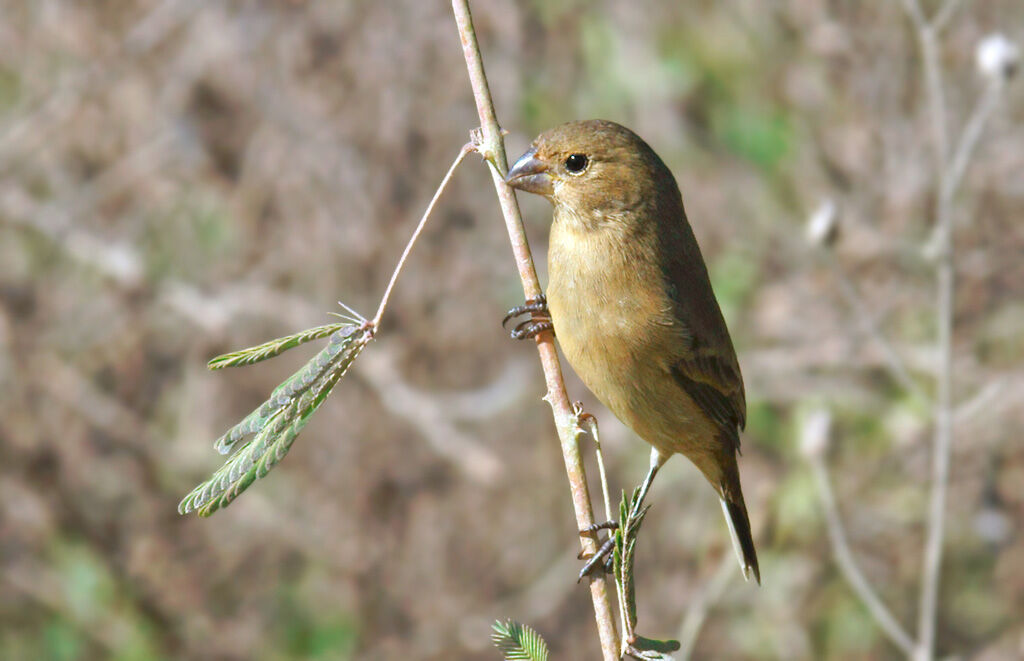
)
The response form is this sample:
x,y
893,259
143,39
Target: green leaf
x,y
271,348
635,652
623,559
277,422
518,642
655,649
625,546
294,386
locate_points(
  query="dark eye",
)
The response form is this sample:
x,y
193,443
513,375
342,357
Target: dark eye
x,y
576,163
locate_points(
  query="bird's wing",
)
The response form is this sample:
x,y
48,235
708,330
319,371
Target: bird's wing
x,y
707,368
717,387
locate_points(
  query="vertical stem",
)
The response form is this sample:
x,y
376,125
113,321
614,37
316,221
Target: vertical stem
x,y
492,148
936,95
931,573
953,173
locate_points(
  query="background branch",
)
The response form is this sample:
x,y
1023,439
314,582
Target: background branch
x,y
950,177
950,170
814,444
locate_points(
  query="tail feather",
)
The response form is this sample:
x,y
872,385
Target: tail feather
x,y
742,541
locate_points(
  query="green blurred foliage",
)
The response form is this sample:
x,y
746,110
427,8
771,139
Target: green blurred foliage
x,y
61,642
10,89
797,512
734,276
847,629
319,636
768,428
763,138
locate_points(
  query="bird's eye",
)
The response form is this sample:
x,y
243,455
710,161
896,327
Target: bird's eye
x,y
576,163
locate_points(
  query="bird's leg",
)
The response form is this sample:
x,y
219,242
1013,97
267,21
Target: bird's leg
x,y
657,461
539,321
603,555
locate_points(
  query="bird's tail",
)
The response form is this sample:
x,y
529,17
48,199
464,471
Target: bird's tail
x,y
735,511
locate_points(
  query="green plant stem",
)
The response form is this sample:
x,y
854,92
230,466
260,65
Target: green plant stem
x,y
492,147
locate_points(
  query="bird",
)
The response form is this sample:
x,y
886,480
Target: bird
x,y
631,305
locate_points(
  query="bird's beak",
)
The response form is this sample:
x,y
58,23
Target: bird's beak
x,y
530,174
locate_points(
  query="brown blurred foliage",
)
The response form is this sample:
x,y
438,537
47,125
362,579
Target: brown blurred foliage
x,y
182,178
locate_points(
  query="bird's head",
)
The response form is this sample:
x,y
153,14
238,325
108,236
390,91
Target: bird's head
x,y
596,169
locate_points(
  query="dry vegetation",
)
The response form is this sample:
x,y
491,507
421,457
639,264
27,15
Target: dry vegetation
x,y
181,178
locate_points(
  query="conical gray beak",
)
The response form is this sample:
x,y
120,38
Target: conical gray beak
x,y
530,174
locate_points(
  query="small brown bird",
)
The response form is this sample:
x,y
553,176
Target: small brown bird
x,y
632,307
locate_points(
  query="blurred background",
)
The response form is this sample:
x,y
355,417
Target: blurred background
x,y
180,178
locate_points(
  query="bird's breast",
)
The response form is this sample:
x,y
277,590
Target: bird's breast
x,y
611,317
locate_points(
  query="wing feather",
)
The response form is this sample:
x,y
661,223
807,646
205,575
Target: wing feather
x,y
707,369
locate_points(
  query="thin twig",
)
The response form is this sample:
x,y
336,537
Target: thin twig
x,y
465,151
492,147
926,36
604,478
972,134
589,423
945,13
980,401
953,173
847,564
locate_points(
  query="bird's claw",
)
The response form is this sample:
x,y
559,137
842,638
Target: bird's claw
x,y
538,305
539,321
530,328
603,557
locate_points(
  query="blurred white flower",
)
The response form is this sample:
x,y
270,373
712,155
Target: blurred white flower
x,y
823,225
815,433
992,525
997,57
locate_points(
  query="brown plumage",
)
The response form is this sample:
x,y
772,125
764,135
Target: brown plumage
x,y
632,305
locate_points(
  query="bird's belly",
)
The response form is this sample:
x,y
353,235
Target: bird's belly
x,y
617,341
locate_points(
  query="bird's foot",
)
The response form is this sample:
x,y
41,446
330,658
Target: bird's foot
x,y
602,560
539,321
601,563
